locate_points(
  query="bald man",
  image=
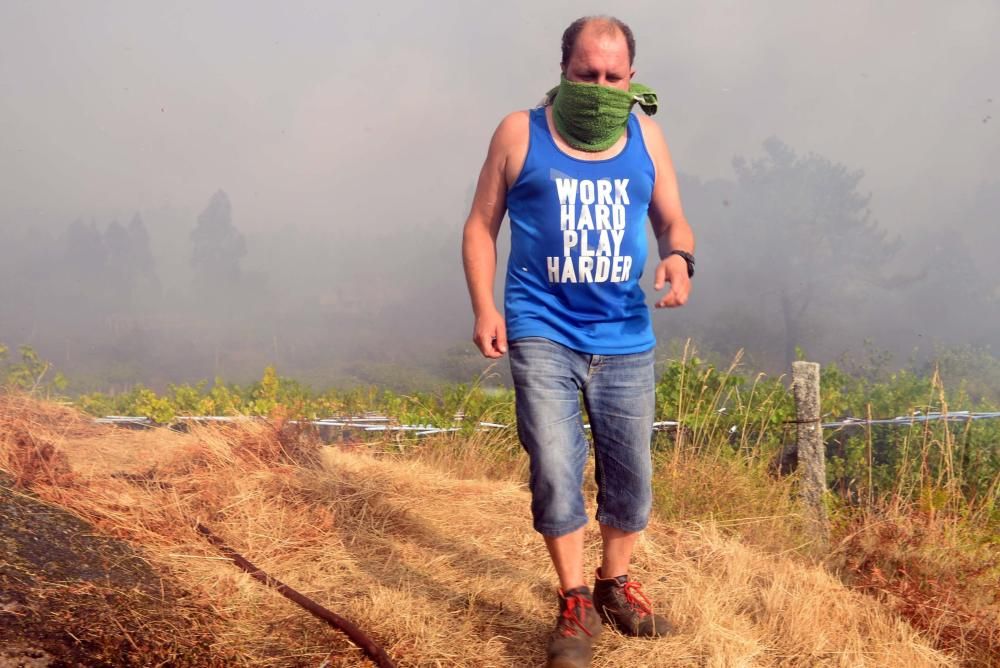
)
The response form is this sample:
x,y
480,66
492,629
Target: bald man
x,y
578,177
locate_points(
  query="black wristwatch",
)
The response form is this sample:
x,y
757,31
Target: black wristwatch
x,y
687,258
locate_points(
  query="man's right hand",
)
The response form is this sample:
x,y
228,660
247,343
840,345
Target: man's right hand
x,y
504,160
490,334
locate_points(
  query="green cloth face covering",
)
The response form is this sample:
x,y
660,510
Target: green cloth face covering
x,y
592,117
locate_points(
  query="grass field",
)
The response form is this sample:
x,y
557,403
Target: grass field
x,y
428,547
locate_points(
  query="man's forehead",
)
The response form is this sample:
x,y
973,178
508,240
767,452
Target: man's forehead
x,y
599,34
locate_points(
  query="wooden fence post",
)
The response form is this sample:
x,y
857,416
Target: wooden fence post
x,y
811,449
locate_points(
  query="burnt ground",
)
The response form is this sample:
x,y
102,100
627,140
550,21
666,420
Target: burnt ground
x,y
71,597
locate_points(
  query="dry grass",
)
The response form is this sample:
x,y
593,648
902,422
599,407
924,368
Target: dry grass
x,y
744,499
930,570
440,566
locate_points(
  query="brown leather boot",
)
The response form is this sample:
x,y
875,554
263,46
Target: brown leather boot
x,y
578,626
622,603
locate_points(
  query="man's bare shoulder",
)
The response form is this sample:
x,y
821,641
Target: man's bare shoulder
x,y
509,146
513,130
652,135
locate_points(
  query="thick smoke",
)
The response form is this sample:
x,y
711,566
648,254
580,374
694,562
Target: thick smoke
x,y
192,192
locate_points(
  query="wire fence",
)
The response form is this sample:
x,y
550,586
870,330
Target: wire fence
x,y
372,422
368,423
916,417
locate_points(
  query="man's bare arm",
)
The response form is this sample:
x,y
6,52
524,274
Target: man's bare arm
x,y
667,217
479,250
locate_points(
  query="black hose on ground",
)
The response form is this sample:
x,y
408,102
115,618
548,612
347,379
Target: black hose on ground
x,y
357,636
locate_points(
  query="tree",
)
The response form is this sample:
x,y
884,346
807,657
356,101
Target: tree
x,y
982,225
85,256
805,235
144,280
120,270
217,247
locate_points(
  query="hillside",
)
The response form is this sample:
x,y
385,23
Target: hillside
x,y
440,570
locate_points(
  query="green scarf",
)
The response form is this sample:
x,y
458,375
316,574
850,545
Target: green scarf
x,y
592,117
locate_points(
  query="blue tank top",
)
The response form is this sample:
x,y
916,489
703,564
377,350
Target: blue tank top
x,y
578,246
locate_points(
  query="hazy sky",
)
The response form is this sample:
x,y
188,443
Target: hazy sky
x,y
375,116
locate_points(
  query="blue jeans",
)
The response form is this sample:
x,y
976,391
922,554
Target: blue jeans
x,y
618,391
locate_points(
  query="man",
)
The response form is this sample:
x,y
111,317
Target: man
x,y
578,177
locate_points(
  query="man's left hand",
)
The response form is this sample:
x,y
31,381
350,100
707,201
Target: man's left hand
x,y
674,271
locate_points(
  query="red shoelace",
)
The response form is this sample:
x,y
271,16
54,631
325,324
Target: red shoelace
x,y
574,613
637,598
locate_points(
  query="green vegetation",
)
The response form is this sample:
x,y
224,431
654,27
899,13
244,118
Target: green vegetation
x,y
31,373
274,395
725,414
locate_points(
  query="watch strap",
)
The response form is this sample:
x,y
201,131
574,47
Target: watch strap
x,y
688,257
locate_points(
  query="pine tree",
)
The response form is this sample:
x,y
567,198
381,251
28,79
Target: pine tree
x,y
217,247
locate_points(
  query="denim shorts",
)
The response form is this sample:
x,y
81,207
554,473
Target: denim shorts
x,y
618,392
